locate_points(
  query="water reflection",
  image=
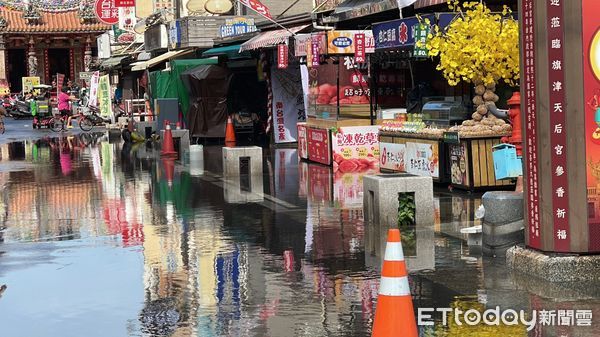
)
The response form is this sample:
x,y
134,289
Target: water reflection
x,y
154,247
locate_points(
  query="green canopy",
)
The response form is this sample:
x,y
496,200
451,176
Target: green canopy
x,y
168,84
232,52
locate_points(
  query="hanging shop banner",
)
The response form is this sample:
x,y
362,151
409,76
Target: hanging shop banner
x,y
421,33
319,149
397,33
359,50
29,82
104,99
282,56
342,42
288,103
302,141
107,12
591,80
423,159
315,52
174,34
355,148
558,138
124,3
93,101
529,83
237,26
392,156
301,41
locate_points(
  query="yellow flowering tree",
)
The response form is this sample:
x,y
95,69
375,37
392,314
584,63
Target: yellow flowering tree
x,y
480,47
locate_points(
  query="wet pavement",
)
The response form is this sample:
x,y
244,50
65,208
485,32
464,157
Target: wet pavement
x,y
102,239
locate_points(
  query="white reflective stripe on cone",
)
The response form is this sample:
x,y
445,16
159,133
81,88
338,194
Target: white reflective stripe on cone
x,y
393,252
394,286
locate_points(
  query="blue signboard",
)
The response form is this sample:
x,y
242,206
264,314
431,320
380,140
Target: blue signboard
x,y
237,26
397,33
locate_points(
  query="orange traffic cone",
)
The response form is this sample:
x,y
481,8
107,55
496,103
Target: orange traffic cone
x,y
394,315
169,166
229,133
167,147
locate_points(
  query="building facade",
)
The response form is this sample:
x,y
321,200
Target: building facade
x,y
42,38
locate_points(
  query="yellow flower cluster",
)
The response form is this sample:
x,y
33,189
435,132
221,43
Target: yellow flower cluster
x,y
478,46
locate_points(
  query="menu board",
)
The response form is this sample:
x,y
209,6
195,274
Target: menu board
x,y
458,164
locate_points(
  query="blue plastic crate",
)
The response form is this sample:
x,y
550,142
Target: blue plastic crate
x,y
506,163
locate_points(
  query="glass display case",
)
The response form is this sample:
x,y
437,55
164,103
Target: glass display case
x,y
444,113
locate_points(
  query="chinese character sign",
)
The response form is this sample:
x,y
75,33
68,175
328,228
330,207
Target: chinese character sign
x,y
107,12
104,99
558,140
422,159
591,80
94,89
355,149
288,103
529,83
124,3
282,56
359,49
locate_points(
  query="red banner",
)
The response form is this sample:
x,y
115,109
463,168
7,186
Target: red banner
x,y
125,3
359,49
529,98
282,56
258,7
591,81
107,12
558,134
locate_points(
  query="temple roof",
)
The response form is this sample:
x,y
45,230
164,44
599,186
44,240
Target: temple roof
x,y
66,21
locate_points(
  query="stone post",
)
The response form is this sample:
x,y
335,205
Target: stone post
x,y
560,97
32,61
87,55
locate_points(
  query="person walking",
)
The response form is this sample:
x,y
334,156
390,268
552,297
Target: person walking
x,y
64,106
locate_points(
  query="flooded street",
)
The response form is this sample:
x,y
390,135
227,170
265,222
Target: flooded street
x,y
98,238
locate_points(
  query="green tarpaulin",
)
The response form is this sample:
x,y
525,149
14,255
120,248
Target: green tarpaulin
x,y
168,84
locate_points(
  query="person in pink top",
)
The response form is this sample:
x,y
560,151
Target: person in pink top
x,y
64,106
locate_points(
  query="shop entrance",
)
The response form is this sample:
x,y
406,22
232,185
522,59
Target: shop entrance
x,y
17,68
248,104
59,62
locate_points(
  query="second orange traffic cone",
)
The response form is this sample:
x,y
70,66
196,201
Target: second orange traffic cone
x,y
230,133
394,315
167,146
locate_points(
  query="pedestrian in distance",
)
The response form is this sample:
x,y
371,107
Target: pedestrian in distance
x,y
64,106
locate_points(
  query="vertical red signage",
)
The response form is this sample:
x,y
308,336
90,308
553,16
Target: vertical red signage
x,y
591,82
558,130
282,56
359,48
315,50
529,97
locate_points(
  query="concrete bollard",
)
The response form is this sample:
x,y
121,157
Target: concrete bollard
x,y
503,225
242,161
196,160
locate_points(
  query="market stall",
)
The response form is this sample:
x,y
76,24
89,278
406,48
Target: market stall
x,y
339,130
442,127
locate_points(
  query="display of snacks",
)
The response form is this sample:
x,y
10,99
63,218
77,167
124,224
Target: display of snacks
x,y
419,128
487,126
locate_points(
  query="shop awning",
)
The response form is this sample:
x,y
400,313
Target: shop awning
x,y
352,9
161,58
427,3
232,52
270,38
113,61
